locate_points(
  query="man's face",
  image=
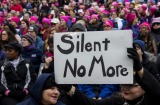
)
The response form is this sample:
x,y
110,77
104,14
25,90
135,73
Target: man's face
x,y
143,31
32,33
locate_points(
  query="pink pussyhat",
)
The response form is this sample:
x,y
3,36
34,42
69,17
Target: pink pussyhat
x,y
145,24
33,18
108,23
130,17
46,20
65,18
94,16
15,19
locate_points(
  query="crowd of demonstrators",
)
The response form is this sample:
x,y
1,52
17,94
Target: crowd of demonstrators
x,y
27,30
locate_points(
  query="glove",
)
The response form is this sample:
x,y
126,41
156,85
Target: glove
x,y
65,87
134,55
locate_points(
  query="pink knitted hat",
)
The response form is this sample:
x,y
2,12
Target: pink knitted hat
x,y
94,16
144,7
130,17
65,18
108,23
88,17
145,24
15,19
46,20
33,18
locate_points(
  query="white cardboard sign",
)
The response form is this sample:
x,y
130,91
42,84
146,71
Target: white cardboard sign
x,y
93,57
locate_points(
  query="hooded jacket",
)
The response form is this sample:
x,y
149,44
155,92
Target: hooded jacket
x,y
36,92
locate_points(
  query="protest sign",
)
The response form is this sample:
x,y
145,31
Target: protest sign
x,y
93,57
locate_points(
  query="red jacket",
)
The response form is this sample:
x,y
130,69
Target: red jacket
x,y
17,7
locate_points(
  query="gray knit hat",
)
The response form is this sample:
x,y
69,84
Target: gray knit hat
x,y
29,38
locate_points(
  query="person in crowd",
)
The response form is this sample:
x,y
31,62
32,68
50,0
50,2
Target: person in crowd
x,y
16,74
33,20
51,34
146,63
45,28
94,24
55,23
143,91
11,28
31,52
145,35
15,21
49,57
155,32
16,6
47,92
132,23
23,28
108,25
6,37
38,42
63,24
118,22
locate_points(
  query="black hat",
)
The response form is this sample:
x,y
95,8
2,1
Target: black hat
x,y
34,28
14,45
50,82
29,38
78,26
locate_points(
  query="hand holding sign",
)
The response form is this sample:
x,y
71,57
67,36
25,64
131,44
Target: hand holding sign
x,y
134,55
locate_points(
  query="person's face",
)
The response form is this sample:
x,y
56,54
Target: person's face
x,y
45,25
107,28
63,22
26,17
25,42
135,21
50,96
4,36
13,23
132,91
9,15
15,2
23,24
32,22
156,26
114,15
32,33
104,19
93,20
87,13
11,53
52,33
144,31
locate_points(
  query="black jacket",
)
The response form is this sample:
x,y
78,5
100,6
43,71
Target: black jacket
x,y
23,77
151,97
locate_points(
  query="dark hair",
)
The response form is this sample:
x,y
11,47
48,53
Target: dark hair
x,y
26,21
11,36
50,40
11,28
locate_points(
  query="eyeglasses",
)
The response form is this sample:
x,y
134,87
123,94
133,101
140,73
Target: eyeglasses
x,y
129,85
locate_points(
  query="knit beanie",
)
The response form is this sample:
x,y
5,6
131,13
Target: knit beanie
x,y
94,16
145,24
140,43
156,20
49,83
108,23
34,28
65,18
46,20
153,9
144,7
15,19
33,18
29,38
130,17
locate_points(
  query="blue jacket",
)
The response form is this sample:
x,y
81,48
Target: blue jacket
x,y
106,90
36,92
39,44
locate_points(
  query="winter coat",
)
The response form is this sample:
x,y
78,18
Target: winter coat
x,y
151,96
16,79
36,93
151,67
35,56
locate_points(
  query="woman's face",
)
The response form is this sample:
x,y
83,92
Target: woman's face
x,y
107,28
132,91
25,42
4,36
63,22
156,26
23,24
50,96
